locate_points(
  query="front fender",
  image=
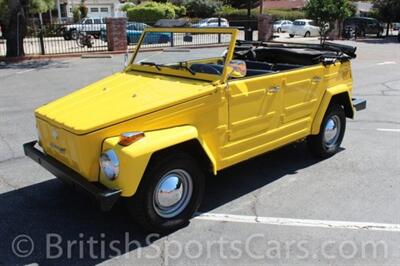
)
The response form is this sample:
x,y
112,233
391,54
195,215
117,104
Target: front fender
x,y
135,157
340,93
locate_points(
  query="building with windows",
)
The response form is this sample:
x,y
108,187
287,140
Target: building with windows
x,y
96,8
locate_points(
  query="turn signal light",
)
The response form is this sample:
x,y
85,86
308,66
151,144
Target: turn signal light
x,y
127,138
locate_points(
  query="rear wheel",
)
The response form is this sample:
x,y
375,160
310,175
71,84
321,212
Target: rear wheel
x,y
331,133
170,192
308,34
291,35
279,30
74,34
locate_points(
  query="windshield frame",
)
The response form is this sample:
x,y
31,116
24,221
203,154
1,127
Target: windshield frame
x,y
179,73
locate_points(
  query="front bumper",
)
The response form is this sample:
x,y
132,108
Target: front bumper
x,y
104,196
359,104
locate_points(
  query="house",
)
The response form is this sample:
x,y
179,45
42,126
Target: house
x,y
284,4
96,8
363,9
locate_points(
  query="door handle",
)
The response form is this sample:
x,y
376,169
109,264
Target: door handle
x,y
316,79
274,89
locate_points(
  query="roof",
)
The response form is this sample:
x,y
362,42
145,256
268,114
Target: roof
x,y
284,4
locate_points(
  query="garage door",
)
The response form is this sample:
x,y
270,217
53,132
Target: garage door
x,y
99,11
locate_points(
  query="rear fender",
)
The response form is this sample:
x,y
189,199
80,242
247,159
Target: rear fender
x,y
134,158
340,94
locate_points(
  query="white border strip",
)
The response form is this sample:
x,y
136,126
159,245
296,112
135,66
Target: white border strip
x,y
389,129
298,222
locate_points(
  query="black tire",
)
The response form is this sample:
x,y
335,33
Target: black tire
x,y
291,35
279,30
143,205
308,34
67,36
318,144
74,34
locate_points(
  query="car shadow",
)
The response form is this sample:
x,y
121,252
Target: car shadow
x,y
34,64
383,40
50,211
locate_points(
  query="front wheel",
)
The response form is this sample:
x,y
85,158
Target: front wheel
x,y
291,35
169,194
308,34
327,142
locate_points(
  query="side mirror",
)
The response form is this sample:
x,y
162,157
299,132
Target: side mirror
x,y
237,69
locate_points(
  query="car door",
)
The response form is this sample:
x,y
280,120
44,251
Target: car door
x,y
300,91
254,105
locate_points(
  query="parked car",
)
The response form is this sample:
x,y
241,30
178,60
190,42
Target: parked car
x,y
91,26
304,28
282,25
211,23
396,26
135,29
152,133
363,26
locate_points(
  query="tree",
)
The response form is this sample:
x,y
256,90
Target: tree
x,y
326,13
243,3
388,11
13,14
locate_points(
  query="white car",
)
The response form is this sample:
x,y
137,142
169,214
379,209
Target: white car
x,y
211,23
304,28
88,25
282,25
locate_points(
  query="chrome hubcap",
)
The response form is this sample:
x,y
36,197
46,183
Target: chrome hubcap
x,y
332,131
172,193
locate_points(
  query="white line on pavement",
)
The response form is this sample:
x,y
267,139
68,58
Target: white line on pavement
x,y
387,63
389,129
298,222
24,71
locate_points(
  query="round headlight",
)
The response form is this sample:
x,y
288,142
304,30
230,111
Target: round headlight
x,y
109,164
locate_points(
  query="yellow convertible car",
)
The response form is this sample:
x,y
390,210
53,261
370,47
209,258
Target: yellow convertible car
x,y
187,108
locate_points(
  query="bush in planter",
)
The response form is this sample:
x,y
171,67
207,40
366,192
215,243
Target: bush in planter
x,y
202,8
150,12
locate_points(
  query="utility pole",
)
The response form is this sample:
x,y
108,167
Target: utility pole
x,y
59,11
261,6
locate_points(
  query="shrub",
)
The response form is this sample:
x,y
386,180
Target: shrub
x,y
150,12
202,8
180,11
286,14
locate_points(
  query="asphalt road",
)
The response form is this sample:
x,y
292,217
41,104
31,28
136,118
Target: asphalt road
x,y
284,207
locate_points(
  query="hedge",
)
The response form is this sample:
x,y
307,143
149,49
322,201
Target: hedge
x,y
150,12
238,17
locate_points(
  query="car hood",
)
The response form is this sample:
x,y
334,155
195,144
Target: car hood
x,y
118,98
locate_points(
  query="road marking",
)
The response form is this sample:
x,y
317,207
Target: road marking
x,y
387,63
24,71
389,129
298,222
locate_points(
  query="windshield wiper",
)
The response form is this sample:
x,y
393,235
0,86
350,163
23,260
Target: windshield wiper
x,y
151,64
184,65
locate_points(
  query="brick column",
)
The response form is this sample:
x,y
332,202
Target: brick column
x,y
265,28
116,34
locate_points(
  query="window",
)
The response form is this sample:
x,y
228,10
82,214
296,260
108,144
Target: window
x,y
88,21
104,9
94,9
97,21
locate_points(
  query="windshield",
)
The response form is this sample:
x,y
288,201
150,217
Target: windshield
x,y
194,54
278,22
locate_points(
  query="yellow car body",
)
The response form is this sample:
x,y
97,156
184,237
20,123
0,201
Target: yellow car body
x,y
225,121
